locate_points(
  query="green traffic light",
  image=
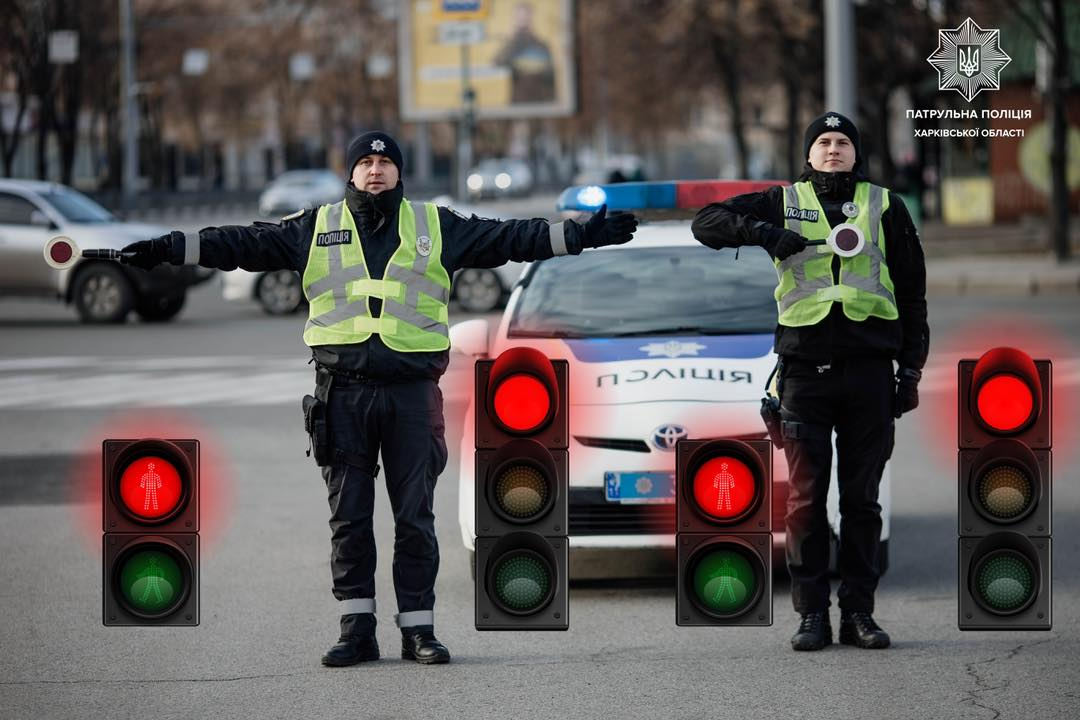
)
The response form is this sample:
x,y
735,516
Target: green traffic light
x,y
724,581
1005,581
151,581
522,582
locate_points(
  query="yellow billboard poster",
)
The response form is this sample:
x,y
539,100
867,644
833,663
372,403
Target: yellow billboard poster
x,y
519,56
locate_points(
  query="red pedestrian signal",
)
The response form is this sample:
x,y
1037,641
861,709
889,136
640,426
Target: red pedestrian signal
x,y
521,492
723,532
150,496
1004,492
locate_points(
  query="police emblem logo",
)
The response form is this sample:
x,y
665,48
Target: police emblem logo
x,y
423,245
969,59
850,209
832,121
378,145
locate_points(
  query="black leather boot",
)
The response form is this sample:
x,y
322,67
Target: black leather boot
x,y
814,632
350,650
859,629
421,646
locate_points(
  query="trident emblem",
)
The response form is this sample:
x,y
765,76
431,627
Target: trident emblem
x,y
968,60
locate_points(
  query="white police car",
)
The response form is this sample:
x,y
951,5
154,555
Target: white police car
x,y
666,339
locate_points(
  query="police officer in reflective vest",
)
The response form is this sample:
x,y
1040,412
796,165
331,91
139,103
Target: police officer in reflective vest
x,y
842,323
376,270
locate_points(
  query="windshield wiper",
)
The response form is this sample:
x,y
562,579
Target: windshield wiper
x,y
548,334
682,330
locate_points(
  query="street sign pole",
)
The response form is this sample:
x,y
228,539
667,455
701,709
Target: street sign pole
x,y
840,60
128,111
465,150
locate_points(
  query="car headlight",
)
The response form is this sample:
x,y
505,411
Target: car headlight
x,y
502,181
475,181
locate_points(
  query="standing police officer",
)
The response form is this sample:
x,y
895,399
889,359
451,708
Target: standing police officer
x,y
842,322
376,271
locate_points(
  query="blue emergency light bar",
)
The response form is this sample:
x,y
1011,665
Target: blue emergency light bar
x,y
666,195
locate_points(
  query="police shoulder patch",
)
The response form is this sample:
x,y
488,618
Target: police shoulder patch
x,y
293,216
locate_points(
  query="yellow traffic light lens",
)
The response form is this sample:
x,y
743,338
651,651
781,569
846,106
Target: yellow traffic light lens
x,y
1005,492
521,491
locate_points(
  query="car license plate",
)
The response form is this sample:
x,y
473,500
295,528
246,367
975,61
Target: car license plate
x,y
639,487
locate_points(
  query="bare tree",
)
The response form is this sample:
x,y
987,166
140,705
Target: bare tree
x,y
1046,18
14,73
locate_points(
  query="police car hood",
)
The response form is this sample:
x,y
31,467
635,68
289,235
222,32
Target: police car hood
x,y
664,369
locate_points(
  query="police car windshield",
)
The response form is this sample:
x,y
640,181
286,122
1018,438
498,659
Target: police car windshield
x,y
627,292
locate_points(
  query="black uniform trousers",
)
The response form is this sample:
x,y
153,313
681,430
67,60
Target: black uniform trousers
x,y
404,421
855,396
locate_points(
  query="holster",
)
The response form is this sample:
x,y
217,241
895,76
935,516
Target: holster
x,y
316,422
770,413
770,406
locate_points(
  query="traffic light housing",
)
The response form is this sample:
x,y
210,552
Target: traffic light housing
x,y
150,501
723,532
522,548
1004,491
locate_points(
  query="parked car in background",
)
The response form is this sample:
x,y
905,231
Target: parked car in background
x,y
278,292
102,291
499,177
481,290
615,169
298,189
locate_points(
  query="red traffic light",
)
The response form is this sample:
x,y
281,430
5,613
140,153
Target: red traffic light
x,y
1004,513
725,487
522,389
1006,390
723,483
150,492
151,488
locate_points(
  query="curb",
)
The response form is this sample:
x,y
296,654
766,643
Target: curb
x,y
1004,275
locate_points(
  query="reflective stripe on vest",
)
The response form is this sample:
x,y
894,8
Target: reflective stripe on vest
x,y
805,290
415,288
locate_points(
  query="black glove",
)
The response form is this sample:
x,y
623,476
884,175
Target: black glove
x,y
604,230
907,391
148,253
782,243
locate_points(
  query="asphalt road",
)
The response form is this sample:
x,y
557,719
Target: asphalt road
x,y
235,376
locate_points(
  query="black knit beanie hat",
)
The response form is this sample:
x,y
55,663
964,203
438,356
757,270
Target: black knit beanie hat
x,y
832,122
372,143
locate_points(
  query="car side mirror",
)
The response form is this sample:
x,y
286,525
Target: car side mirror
x,y
40,219
470,338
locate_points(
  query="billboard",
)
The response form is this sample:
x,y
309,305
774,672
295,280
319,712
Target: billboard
x,y
520,58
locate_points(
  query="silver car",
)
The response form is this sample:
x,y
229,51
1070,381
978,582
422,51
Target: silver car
x,y
498,178
299,189
32,212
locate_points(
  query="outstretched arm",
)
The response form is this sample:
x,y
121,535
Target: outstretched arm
x,y
260,246
485,243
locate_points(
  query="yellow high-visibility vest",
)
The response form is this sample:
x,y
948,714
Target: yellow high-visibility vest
x,y
414,289
805,289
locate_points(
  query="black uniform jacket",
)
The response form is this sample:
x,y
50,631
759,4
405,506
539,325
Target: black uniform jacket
x,y
466,243
748,220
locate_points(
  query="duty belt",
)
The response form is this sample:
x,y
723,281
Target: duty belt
x,y
350,376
